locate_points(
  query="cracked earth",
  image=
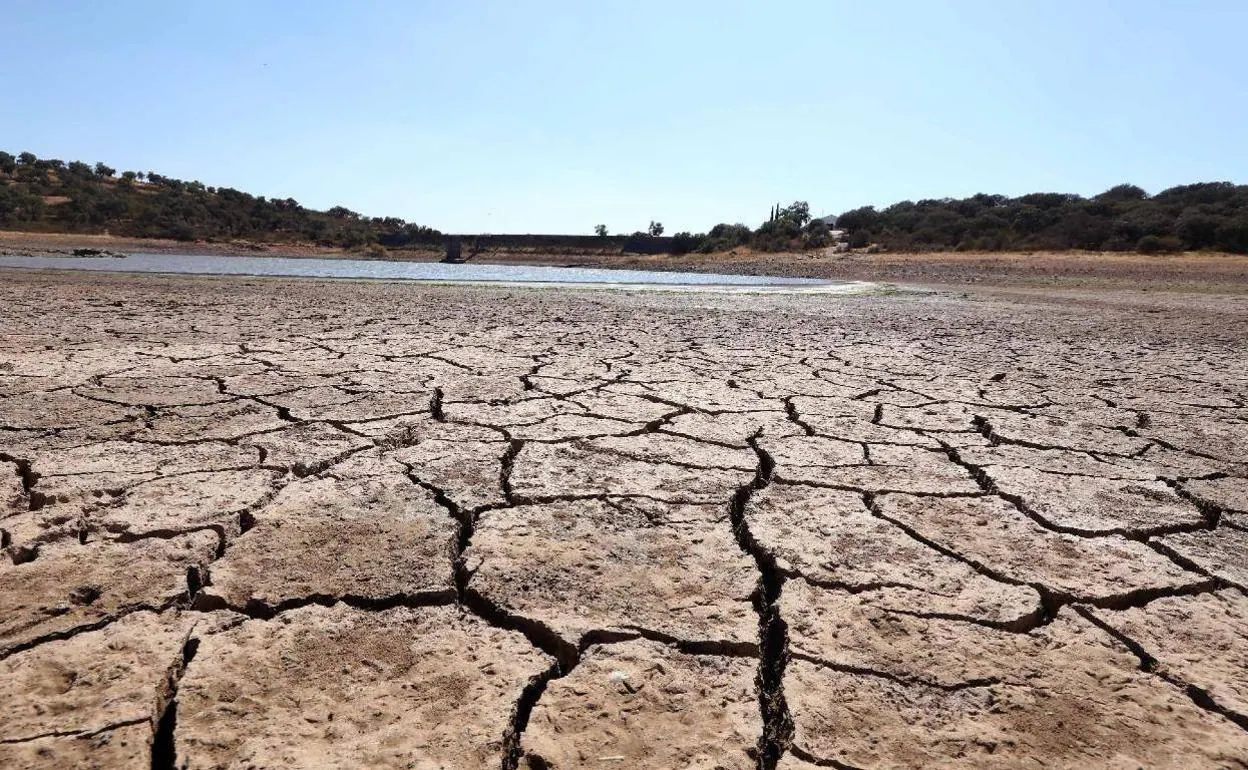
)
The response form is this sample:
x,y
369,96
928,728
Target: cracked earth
x,y
255,524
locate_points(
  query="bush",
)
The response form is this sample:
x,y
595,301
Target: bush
x,y
683,243
724,237
1233,235
1198,215
1159,244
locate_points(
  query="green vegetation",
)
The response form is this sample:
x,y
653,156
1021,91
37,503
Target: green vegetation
x,y
1206,216
1211,215
53,196
788,228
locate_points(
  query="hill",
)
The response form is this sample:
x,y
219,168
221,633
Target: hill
x,y
46,195
1194,217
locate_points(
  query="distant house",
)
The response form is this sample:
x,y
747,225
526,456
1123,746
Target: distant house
x,y
830,220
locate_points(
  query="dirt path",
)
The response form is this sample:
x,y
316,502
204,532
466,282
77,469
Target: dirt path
x,y
263,523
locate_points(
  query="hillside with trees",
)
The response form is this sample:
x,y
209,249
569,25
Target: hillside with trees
x,y
47,195
1208,216
1211,215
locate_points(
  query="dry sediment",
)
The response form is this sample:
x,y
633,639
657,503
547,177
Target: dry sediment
x,y
286,523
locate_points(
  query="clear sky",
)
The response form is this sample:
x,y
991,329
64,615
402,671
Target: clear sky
x,y
555,116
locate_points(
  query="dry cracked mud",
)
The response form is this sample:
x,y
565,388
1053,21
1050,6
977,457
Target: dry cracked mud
x,y
262,524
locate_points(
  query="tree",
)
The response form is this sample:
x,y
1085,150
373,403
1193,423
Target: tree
x,y
798,213
7,162
683,243
818,234
27,159
656,229
103,170
865,218
1123,192
600,231
1198,229
1233,236
128,176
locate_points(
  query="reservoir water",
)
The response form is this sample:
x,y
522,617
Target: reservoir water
x,y
434,272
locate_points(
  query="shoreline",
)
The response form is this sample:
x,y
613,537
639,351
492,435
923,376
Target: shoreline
x,y
1198,272
832,288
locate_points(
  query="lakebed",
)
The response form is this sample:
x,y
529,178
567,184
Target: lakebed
x,y
541,276
1194,272
263,522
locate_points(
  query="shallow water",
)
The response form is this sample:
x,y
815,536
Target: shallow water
x,y
189,264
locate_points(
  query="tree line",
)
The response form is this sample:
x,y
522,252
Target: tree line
x,y
1195,217
50,195
787,228
1204,216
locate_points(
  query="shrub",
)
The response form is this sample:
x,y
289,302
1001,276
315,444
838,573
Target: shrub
x,y
683,243
1233,236
1159,244
859,239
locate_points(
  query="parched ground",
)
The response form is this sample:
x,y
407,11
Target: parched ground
x,y
257,524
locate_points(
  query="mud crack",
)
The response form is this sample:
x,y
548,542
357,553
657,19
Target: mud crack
x,y
772,632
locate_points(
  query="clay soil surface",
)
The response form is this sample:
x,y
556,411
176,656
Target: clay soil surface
x,y
259,523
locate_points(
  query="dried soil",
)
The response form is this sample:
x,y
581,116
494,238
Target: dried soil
x,y
261,523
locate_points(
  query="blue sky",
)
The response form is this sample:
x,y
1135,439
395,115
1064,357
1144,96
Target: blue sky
x,y
555,116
